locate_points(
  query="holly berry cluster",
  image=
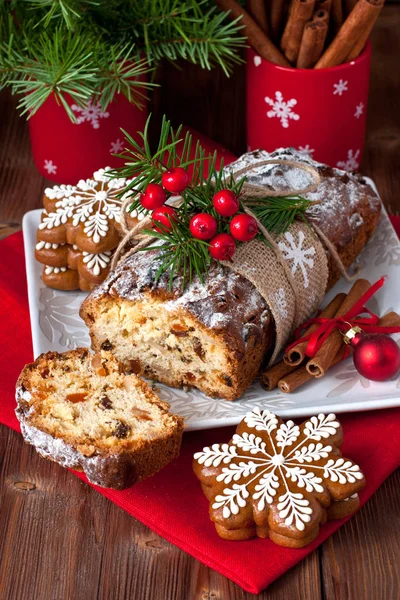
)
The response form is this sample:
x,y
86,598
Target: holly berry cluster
x,y
211,226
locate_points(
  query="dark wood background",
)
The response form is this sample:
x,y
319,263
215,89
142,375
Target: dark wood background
x,y
59,539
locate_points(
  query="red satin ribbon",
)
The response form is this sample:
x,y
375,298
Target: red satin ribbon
x,y
351,319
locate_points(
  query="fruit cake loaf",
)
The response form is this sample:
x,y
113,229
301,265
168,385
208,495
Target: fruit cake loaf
x,y
81,411
215,336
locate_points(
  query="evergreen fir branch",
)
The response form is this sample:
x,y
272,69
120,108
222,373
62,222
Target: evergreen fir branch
x,y
121,71
103,45
69,11
55,65
277,214
208,40
180,254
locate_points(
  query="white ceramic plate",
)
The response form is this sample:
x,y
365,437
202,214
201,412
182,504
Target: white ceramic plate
x,y
56,325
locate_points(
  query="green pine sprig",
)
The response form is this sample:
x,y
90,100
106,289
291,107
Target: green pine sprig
x,y
95,49
278,213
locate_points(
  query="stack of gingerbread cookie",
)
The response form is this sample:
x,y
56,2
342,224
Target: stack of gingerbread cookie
x,y
80,229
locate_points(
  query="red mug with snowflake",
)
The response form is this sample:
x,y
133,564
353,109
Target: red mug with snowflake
x,y
65,152
319,112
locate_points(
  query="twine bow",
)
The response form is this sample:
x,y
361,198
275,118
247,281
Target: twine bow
x,y
343,323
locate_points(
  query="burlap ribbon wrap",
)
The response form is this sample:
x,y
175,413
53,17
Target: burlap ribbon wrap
x,y
292,281
290,272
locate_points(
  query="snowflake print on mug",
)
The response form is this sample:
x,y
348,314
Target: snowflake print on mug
x,y
359,110
280,474
50,167
340,87
299,255
257,61
282,109
306,150
116,146
351,164
90,114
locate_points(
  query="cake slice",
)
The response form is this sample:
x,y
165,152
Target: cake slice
x,y
81,411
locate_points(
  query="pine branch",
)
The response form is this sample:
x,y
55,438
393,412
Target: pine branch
x,y
106,46
277,214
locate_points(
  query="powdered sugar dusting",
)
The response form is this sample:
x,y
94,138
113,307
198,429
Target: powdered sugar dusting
x,y
341,195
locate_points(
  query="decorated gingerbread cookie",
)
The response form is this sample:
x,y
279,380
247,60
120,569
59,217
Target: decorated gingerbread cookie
x,y
80,229
279,480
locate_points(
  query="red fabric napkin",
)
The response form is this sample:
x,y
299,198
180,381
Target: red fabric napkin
x,y
172,503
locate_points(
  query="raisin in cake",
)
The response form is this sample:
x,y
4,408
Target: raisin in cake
x,y
215,336
83,412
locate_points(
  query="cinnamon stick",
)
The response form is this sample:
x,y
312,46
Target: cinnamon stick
x,y
256,36
269,379
277,10
337,15
321,362
363,38
324,5
312,43
301,12
297,354
352,35
259,14
291,382
348,6
392,319
321,16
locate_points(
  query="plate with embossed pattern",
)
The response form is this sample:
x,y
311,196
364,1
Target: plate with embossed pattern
x,y
56,325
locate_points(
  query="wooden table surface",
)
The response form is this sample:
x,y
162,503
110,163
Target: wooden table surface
x,y
59,539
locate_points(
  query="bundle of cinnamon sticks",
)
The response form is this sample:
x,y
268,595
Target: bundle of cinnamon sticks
x,y
296,368
306,34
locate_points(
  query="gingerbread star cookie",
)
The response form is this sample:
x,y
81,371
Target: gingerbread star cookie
x,y
279,480
80,229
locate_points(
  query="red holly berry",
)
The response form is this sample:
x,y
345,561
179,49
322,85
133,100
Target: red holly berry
x,y
163,216
222,247
243,228
175,180
225,203
203,226
154,196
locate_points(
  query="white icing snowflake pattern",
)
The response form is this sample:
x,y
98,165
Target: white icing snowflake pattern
x,y
281,304
299,255
306,150
340,87
351,164
50,167
359,110
96,262
92,113
116,146
282,109
93,202
290,457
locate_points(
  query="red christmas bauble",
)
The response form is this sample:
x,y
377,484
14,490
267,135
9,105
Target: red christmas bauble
x,y
222,247
154,196
175,180
225,203
162,218
376,356
203,226
243,228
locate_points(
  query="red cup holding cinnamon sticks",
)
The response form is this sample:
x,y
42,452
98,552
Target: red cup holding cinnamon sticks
x,y
321,112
